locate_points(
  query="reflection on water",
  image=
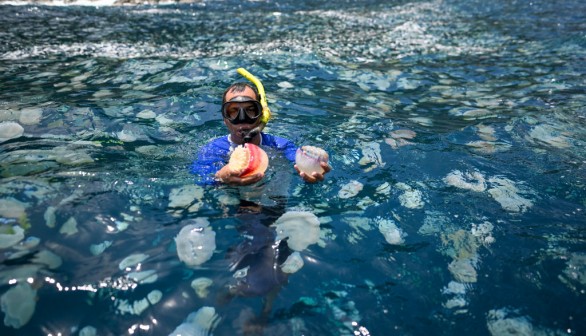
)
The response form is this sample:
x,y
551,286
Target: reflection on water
x,y
455,205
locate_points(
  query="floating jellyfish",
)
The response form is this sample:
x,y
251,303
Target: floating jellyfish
x,y
371,156
10,236
463,270
201,285
70,227
393,235
196,242
10,130
139,306
350,189
300,227
97,249
399,138
499,322
30,116
12,208
506,193
132,260
187,197
144,277
18,305
574,275
293,263
410,198
309,158
549,135
472,181
88,331
199,323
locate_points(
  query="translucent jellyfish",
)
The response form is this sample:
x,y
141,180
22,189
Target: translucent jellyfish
x,y
196,242
139,306
10,236
574,275
144,277
12,208
371,156
410,198
199,323
201,286
285,85
10,130
69,227
18,303
302,229
132,260
67,156
399,138
154,296
488,147
46,257
50,217
463,270
188,196
88,331
146,114
506,193
293,263
483,232
31,116
471,181
97,249
350,189
393,235
550,135
500,323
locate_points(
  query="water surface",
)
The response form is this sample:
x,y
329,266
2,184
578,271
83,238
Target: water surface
x,y
463,121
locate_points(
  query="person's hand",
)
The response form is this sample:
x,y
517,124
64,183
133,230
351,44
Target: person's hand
x,y
228,176
315,176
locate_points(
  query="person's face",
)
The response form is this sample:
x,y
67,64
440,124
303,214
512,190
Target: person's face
x,y
238,131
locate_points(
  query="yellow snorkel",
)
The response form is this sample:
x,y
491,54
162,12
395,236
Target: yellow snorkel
x,y
266,112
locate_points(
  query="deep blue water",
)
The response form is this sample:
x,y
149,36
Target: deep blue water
x,y
410,99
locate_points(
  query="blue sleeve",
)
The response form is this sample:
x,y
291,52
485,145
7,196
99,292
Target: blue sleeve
x,y
289,148
210,158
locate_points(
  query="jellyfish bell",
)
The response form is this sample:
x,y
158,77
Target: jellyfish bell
x,y
309,158
247,160
196,242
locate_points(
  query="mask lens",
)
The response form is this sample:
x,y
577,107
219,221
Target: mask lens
x,y
252,111
241,112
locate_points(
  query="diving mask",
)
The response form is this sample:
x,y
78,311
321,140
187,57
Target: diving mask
x,y
242,110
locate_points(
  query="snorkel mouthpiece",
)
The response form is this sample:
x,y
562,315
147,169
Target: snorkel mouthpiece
x,y
266,112
249,135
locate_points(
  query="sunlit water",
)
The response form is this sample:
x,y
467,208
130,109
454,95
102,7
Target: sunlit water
x,y
457,137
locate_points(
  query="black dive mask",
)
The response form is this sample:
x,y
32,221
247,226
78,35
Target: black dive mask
x,y
241,110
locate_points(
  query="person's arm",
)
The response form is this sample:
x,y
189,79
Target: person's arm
x,y
210,159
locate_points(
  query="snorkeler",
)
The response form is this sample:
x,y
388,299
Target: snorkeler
x,y
245,118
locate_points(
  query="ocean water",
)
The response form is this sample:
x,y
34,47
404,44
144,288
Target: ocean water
x,y
456,205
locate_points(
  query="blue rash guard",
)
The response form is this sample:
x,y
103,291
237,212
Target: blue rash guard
x,y
215,154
